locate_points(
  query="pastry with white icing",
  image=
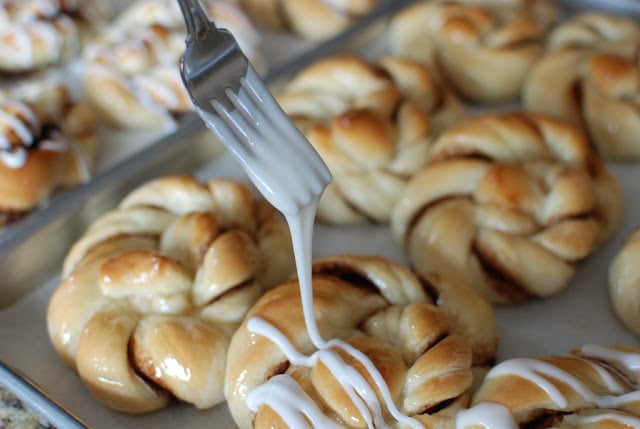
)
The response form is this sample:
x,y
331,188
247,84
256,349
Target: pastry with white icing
x,y
373,124
131,71
424,336
39,34
589,75
48,140
624,283
483,48
504,195
154,289
594,387
311,19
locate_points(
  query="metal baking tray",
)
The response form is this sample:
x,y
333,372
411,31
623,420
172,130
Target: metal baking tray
x,y
30,261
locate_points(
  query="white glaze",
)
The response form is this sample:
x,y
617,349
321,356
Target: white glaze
x,y
489,415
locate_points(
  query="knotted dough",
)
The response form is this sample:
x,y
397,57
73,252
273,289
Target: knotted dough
x,y
424,334
154,289
509,203
373,124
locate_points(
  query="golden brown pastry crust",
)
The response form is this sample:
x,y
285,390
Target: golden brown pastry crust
x,y
49,140
624,282
589,75
503,195
369,301
311,19
156,286
372,123
593,387
484,49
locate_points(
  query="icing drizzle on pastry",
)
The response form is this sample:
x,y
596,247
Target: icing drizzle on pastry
x,y
497,416
275,391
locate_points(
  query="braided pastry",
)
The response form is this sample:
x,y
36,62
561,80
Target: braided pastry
x,y
311,19
154,289
502,196
37,34
589,76
47,140
594,387
624,283
423,334
482,48
131,73
372,124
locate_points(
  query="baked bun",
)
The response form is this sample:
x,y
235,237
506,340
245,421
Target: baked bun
x,y
483,48
595,387
131,72
47,140
311,19
424,335
624,283
163,279
372,123
589,76
503,195
38,34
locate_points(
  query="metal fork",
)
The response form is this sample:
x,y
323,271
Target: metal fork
x,y
236,106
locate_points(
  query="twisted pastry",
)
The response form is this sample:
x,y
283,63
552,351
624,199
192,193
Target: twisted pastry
x,y
504,195
154,289
37,34
589,76
484,49
624,283
311,19
423,334
372,124
132,74
47,140
594,387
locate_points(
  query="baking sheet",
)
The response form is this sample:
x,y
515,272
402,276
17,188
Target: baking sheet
x,y
579,315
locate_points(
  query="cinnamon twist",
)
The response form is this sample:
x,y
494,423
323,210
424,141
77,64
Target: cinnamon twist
x,y
484,49
624,283
37,34
424,347
594,387
504,195
47,140
154,289
311,19
131,72
589,75
372,123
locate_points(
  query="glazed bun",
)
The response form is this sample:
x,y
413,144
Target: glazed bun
x,y
424,349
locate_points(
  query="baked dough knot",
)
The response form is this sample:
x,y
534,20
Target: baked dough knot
x,y
425,335
313,20
504,195
594,387
153,290
372,123
48,140
484,48
38,34
624,282
131,71
589,75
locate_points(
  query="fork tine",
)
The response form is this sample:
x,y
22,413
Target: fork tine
x,y
195,18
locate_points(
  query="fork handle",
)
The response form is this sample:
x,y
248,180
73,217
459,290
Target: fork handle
x,y
196,19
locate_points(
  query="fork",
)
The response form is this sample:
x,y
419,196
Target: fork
x,y
235,104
